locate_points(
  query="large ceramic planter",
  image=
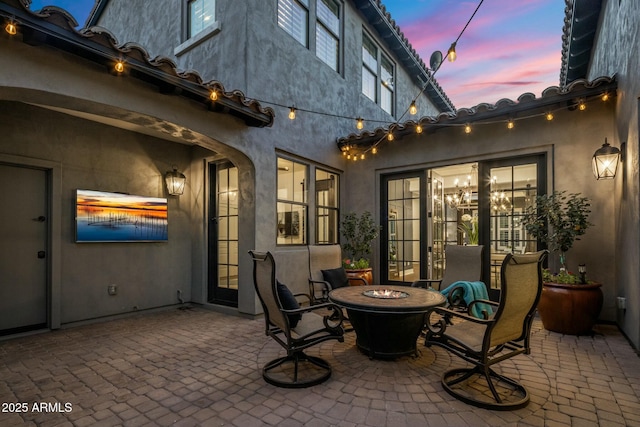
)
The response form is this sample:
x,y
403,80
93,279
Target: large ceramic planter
x,y
364,273
570,309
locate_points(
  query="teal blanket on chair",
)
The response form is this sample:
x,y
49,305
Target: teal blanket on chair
x,y
472,291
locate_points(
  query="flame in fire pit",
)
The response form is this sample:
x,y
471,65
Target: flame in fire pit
x,y
385,294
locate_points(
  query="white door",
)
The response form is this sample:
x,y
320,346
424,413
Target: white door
x,y
23,245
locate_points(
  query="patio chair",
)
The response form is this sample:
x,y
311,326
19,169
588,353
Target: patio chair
x,y
326,272
486,342
294,328
463,264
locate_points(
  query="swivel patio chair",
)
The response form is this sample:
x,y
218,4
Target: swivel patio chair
x,y
294,328
486,342
326,272
463,264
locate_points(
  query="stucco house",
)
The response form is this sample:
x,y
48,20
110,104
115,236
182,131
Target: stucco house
x,y
257,179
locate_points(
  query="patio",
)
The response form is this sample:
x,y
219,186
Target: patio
x,y
195,367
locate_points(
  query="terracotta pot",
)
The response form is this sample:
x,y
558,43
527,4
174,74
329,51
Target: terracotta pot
x,y
570,309
364,273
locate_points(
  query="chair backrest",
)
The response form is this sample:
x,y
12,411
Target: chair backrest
x,y
264,281
521,286
462,263
323,257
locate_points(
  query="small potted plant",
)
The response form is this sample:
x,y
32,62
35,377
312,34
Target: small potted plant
x,y
469,228
358,232
568,304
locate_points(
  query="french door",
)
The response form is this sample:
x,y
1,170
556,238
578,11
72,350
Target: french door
x,y
510,186
223,234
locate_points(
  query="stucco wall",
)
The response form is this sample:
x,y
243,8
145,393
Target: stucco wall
x,y
98,157
617,51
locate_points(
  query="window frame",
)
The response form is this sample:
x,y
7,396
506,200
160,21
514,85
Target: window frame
x,y
311,207
319,208
315,23
191,41
381,85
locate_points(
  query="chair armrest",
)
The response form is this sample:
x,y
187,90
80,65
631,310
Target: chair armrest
x,y
452,313
324,288
485,314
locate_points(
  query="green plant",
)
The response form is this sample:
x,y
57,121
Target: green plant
x,y
558,219
469,226
358,232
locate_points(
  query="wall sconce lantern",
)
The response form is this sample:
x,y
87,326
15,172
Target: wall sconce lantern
x,y
175,182
605,161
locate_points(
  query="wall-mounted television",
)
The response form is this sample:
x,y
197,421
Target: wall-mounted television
x,y
115,217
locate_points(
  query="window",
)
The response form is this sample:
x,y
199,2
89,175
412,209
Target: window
x,y
202,13
292,203
327,202
299,18
377,75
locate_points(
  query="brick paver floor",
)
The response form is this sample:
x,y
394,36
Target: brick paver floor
x,y
200,368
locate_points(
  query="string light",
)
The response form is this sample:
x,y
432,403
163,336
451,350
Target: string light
x,y
582,106
413,110
362,156
119,67
549,116
374,150
292,113
605,96
467,128
510,124
213,95
451,53
390,136
11,28
418,129
359,123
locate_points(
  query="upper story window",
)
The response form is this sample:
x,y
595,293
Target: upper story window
x,y
300,18
377,75
202,13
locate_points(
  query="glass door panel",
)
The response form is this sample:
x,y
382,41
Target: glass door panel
x,y
512,188
403,229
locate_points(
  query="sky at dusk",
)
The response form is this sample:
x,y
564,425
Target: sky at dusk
x,y
509,48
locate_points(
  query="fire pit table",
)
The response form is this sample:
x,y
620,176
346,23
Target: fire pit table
x,y
387,319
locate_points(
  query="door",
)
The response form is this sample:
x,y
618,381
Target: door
x,y
23,249
223,234
511,185
403,232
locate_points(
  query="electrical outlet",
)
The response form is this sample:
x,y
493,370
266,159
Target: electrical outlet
x,y
112,289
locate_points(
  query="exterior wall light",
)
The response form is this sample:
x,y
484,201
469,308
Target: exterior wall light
x,y
175,182
605,161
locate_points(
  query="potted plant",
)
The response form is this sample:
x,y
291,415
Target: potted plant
x,y
469,228
569,304
358,232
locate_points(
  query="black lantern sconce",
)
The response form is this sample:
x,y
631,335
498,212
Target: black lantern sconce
x,y
605,160
175,182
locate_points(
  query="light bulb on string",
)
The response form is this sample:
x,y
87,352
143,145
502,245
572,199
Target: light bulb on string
x,y
467,128
390,136
374,150
362,156
119,67
292,113
582,106
510,124
451,53
418,129
413,110
11,28
359,123
213,95
605,96
549,116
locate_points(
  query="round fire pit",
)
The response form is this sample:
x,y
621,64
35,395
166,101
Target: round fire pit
x,y
387,320
385,294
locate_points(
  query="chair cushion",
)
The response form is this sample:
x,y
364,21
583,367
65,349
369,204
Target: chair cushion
x,y
288,302
336,277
